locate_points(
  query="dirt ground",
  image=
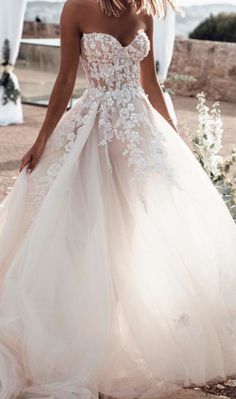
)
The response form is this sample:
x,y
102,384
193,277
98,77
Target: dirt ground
x,y
15,140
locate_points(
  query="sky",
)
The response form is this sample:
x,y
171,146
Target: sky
x,y
185,3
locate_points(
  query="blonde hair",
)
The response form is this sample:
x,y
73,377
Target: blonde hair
x,y
151,7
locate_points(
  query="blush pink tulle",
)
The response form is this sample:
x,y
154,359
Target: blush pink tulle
x,y
118,256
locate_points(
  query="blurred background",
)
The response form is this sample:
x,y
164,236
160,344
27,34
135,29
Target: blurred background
x,y
194,54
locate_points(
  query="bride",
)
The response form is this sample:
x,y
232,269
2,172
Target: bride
x,y
118,256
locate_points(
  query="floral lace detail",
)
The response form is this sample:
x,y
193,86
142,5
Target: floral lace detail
x,y
114,71
120,120
62,140
109,65
184,327
122,114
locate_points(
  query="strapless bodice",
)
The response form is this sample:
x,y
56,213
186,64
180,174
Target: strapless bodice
x,y
120,106
108,64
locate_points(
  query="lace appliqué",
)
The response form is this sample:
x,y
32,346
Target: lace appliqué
x,y
122,116
120,120
108,64
63,140
114,70
184,327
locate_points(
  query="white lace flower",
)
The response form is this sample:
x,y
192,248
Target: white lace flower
x,y
125,95
114,75
71,136
183,320
131,107
69,146
124,113
110,101
106,69
54,169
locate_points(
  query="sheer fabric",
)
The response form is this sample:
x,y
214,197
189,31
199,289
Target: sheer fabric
x,y
117,253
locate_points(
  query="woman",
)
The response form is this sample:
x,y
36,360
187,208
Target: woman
x,y
118,258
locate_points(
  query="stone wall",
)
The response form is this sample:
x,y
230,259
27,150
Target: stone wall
x,y
213,64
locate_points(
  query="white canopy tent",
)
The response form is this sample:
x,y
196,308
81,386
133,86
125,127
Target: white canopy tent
x,y
164,38
11,24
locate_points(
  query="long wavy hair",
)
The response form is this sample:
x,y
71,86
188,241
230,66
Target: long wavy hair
x,y
151,7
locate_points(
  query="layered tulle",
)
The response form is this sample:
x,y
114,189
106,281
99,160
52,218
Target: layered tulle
x,y
117,254
110,283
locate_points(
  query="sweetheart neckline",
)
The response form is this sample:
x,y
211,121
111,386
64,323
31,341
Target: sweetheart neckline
x,y
114,38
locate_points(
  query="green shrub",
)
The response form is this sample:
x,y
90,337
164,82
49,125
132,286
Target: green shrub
x,y
219,28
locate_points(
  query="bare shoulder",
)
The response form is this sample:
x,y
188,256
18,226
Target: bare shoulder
x,y
72,15
78,11
78,7
148,21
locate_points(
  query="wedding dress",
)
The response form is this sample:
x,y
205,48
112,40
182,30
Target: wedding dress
x,y
118,256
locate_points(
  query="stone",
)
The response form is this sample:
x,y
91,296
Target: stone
x,y
219,386
193,394
212,64
231,383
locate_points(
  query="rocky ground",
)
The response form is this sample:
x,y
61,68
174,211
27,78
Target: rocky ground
x,y
222,390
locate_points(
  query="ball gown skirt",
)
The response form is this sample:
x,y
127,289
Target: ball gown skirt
x,y
118,256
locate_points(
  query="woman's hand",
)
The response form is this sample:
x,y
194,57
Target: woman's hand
x,y
32,157
171,123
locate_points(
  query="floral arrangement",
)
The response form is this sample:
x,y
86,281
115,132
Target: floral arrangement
x,y
207,143
11,93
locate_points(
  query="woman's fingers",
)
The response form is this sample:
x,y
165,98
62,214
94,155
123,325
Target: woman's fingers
x,y
33,162
33,156
25,161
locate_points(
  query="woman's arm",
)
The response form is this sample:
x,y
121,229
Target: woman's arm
x,y
64,85
150,80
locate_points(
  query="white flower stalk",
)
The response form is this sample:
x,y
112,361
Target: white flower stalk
x,y
207,143
208,140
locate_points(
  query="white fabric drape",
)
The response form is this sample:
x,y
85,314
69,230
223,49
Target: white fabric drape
x,y
11,24
164,38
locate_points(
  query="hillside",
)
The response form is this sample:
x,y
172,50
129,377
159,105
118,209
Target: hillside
x,y
196,14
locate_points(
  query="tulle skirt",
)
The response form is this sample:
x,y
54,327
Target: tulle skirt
x,y
109,285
